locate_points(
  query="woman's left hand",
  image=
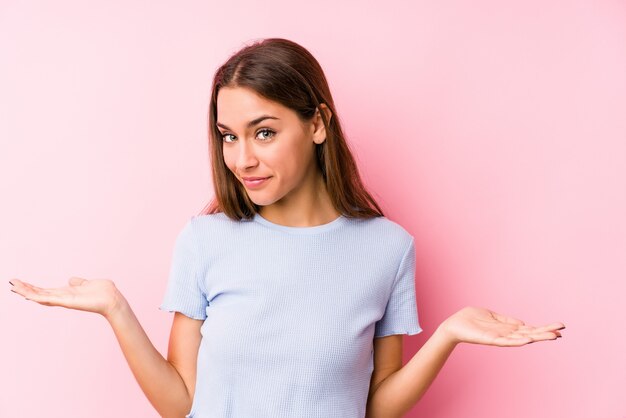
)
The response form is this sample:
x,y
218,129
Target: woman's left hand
x,y
482,326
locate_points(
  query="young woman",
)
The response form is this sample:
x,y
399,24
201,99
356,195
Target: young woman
x,y
292,291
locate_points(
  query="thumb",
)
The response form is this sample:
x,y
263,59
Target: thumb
x,y
76,281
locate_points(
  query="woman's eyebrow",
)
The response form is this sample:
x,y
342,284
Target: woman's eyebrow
x,y
251,123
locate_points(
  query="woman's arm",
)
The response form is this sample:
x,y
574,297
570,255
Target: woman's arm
x,y
395,395
398,392
168,384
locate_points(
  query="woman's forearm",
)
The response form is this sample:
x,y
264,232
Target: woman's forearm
x,y
158,378
402,389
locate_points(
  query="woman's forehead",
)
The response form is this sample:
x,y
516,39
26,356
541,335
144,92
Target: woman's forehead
x,y
241,99
239,105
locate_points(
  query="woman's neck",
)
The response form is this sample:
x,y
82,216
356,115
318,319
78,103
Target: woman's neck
x,y
306,209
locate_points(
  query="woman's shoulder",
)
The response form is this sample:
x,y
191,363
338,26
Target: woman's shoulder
x,y
211,217
216,221
383,227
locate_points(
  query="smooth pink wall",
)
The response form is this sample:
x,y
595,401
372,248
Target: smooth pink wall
x,y
493,131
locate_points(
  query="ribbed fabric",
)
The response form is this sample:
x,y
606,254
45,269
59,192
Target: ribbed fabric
x,y
290,313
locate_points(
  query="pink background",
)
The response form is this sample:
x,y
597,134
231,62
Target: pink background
x,y
492,131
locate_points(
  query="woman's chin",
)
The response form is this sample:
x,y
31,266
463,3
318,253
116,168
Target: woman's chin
x,y
261,200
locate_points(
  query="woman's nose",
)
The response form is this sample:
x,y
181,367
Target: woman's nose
x,y
245,157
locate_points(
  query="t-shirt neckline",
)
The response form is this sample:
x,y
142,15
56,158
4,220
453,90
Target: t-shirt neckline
x,y
335,223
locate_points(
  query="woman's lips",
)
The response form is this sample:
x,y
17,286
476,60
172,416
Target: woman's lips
x,y
254,182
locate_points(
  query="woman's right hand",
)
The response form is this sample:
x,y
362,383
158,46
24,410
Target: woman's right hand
x,y
97,295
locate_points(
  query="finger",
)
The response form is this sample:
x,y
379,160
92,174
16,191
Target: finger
x,y
552,327
21,289
18,283
518,339
541,336
517,336
35,289
24,290
47,299
512,341
39,294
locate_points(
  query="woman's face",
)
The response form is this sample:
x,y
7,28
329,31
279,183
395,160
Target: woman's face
x,y
267,147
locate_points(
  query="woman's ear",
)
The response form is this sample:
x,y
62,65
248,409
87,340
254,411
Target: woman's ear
x,y
319,130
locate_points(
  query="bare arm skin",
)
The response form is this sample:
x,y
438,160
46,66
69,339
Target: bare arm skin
x,y
387,361
396,389
167,383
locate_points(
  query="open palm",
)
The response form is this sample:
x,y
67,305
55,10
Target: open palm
x,y
97,295
482,326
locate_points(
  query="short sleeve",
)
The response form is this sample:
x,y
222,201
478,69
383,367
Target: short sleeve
x,y
184,293
400,315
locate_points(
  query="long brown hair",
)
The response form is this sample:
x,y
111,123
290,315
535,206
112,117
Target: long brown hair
x,y
285,72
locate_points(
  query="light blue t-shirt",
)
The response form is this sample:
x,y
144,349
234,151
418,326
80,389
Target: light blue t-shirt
x,y
290,313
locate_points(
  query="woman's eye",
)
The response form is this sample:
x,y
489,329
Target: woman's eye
x,y
224,137
269,133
